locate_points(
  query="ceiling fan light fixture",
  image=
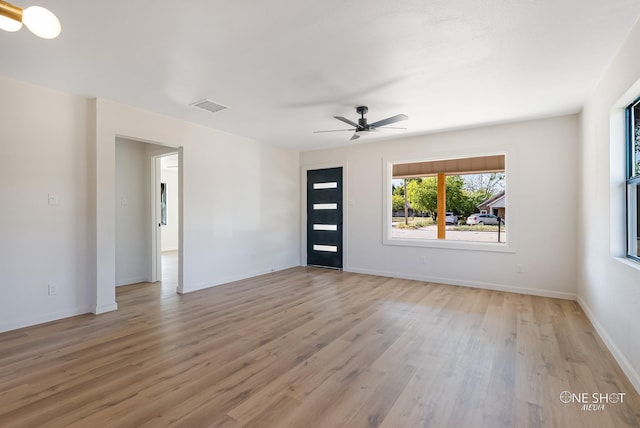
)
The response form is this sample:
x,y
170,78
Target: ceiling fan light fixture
x,y
39,20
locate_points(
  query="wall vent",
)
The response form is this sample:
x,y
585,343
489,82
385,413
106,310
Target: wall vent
x,y
209,105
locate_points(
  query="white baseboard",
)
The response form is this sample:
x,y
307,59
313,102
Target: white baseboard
x,y
627,368
473,284
134,280
105,308
44,318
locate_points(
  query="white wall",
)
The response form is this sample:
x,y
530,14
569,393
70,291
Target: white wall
x,y
43,150
53,142
608,284
541,191
133,212
222,241
170,230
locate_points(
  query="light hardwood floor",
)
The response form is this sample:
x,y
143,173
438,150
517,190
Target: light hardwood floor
x,y
314,348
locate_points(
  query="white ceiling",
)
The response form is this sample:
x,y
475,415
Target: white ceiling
x,y
285,68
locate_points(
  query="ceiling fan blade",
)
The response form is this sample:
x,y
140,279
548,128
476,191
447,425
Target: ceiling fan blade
x,y
389,127
347,121
355,137
389,120
334,130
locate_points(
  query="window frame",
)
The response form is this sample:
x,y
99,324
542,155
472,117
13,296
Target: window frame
x,y
632,183
387,239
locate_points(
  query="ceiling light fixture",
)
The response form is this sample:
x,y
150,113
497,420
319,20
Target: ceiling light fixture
x,y
40,21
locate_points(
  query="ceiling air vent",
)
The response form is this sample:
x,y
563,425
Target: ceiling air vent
x,y
209,105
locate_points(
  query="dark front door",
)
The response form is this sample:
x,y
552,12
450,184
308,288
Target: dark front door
x,y
324,217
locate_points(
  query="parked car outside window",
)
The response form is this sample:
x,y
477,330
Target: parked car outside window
x,y
482,219
451,218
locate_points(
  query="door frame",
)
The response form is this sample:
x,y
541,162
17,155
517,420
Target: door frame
x,y
345,210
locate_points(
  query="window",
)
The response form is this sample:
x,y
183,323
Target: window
x,y
452,200
633,180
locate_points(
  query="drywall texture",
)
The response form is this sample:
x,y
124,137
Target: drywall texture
x,y
541,190
608,285
133,212
43,151
240,202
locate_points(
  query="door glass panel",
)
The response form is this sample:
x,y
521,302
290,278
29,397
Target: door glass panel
x,y
325,206
333,227
327,248
329,185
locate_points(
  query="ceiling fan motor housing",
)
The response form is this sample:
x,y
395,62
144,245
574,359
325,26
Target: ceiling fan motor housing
x,y
362,110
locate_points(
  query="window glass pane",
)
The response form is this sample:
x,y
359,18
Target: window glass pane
x,y
637,221
466,197
633,223
633,180
635,142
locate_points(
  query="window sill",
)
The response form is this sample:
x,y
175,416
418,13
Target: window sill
x,y
628,262
451,245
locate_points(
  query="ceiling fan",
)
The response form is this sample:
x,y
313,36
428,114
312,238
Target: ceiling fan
x,y
363,126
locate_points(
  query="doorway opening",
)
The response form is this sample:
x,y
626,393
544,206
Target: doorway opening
x,y
143,204
167,219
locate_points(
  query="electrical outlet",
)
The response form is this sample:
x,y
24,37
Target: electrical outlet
x,y
52,290
423,260
53,199
520,268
